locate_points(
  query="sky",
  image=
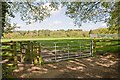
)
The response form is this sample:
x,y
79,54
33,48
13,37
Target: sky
x,y
57,20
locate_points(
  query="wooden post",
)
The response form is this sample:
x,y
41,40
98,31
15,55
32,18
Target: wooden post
x,y
15,53
32,51
55,52
11,46
68,50
35,53
29,51
21,55
80,47
40,56
91,48
39,48
81,50
94,47
38,52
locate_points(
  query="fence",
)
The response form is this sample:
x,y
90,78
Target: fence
x,y
102,46
36,52
105,36
64,51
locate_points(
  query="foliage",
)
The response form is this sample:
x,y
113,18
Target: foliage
x,y
89,11
7,71
79,11
33,11
114,21
56,33
95,11
6,14
29,11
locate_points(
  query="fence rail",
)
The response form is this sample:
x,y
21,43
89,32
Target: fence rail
x,y
31,51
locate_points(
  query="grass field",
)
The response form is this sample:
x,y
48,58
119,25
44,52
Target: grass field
x,y
74,42
6,40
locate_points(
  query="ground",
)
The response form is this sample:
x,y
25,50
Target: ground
x,y
103,66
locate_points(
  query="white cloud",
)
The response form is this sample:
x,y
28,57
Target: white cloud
x,y
19,25
104,25
71,23
55,23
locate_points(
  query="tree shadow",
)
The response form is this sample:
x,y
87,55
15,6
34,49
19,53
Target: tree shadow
x,y
100,67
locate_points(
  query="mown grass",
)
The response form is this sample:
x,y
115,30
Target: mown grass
x,y
73,43
34,39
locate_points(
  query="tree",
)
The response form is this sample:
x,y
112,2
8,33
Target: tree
x,y
34,11
10,28
90,32
29,11
114,21
5,12
79,11
95,11
22,33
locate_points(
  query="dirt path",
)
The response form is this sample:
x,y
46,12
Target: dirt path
x,y
101,67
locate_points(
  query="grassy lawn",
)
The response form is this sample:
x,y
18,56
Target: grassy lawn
x,y
6,40
73,42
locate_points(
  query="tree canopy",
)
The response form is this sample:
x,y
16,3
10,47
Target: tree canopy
x,y
79,11
107,12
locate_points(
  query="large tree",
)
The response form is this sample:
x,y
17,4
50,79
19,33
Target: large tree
x,y
114,20
95,11
29,12
79,11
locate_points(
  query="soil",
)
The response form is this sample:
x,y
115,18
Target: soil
x,y
103,66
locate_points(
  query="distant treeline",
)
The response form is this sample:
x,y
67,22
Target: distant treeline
x,y
56,33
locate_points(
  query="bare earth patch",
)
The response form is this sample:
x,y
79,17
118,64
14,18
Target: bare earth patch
x,y
101,67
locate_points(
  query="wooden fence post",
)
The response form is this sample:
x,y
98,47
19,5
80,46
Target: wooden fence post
x,y
39,48
81,50
91,48
32,53
68,50
35,61
21,55
15,53
55,52
94,47
40,56
29,51
80,47
11,46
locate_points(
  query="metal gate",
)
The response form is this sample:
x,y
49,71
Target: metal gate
x,y
58,51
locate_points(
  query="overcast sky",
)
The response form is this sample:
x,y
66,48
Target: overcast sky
x,y
58,20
